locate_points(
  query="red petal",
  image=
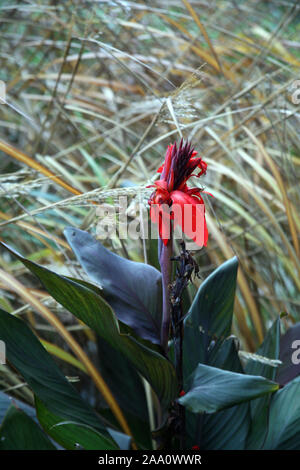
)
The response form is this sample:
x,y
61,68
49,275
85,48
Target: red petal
x,y
167,164
163,219
161,184
189,213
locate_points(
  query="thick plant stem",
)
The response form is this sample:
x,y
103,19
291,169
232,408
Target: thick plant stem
x,y
165,254
177,334
184,270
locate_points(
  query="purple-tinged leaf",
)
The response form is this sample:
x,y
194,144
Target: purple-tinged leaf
x,y
132,289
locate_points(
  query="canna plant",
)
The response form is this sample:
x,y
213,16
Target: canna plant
x,y
171,375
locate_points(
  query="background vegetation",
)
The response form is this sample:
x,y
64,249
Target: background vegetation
x,y
96,90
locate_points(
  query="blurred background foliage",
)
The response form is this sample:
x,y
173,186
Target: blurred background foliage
x,y
95,92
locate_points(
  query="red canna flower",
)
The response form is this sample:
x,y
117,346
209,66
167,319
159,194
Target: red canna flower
x,y
173,200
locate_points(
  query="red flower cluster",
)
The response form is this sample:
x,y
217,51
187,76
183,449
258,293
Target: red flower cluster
x,y
171,190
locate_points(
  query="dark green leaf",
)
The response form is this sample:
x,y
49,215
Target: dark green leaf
x,y
212,307
269,349
210,317
214,389
19,432
140,428
70,434
29,357
284,418
205,330
123,380
226,429
260,406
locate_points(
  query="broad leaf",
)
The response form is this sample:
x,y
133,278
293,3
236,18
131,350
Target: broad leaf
x,y
132,289
140,428
226,429
123,380
260,407
29,357
72,435
94,311
212,307
204,343
269,349
19,432
214,389
210,317
284,418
